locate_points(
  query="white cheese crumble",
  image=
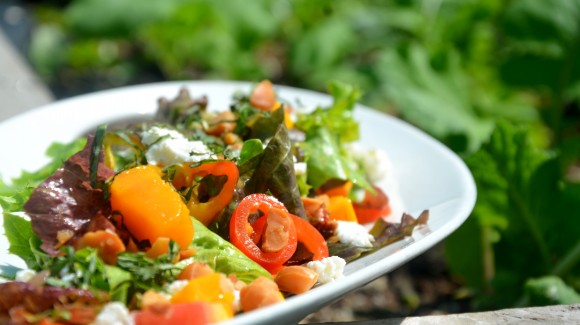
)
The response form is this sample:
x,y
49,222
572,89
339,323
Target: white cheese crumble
x,y
380,171
329,269
299,168
114,313
168,147
176,286
375,162
352,233
153,134
24,275
237,303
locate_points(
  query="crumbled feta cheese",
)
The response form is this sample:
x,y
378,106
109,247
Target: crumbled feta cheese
x,y
237,303
168,147
176,286
329,269
25,275
375,162
300,168
155,133
114,313
354,234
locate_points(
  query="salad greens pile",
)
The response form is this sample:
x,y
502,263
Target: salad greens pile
x,y
238,166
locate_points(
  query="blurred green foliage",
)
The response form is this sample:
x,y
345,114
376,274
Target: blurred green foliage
x,y
497,81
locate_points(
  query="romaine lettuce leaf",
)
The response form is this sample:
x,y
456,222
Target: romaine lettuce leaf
x,y
325,160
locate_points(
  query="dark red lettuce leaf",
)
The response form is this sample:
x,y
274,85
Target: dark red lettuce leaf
x,y
386,233
36,299
66,201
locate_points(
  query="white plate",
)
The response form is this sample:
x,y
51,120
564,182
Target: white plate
x,y
429,175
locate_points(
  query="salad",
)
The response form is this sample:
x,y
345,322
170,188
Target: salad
x,y
196,216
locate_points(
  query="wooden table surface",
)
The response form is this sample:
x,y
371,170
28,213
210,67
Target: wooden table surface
x,y
21,90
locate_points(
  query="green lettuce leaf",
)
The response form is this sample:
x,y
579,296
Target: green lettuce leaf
x,y
21,238
224,257
337,119
325,160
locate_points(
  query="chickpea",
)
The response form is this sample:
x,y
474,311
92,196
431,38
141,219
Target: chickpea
x,y
194,270
296,279
260,293
152,299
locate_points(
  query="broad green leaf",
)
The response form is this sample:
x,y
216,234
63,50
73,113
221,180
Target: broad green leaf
x,y
550,290
21,238
436,101
324,45
116,17
522,225
541,43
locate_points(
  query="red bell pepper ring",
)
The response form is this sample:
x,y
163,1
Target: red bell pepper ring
x,y
374,206
208,211
311,238
241,232
307,234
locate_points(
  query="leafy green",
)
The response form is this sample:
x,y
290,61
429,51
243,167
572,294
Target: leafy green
x,y
338,118
77,269
149,273
16,193
274,172
255,124
133,273
96,153
325,160
436,101
109,17
550,290
13,196
522,189
222,256
21,238
250,149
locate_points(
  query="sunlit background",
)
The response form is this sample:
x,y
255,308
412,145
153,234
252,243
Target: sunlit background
x,y
496,81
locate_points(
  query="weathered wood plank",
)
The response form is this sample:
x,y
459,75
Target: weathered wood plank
x,y
560,314
20,88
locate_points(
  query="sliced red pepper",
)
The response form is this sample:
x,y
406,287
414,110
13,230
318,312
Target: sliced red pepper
x,y
374,206
241,231
307,234
203,209
258,228
311,238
